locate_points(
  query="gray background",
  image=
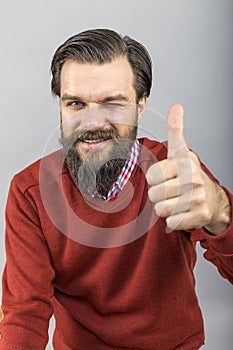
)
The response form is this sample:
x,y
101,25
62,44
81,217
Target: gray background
x,y
191,45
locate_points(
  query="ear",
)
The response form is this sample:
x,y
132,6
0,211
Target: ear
x,y
141,106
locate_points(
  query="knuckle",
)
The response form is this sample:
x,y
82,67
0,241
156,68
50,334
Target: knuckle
x,y
153,174
160,209
171,224
200,198
205,215
149,176
198,179
194,157
152,194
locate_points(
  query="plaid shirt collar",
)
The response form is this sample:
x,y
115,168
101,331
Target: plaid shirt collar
x,y
126,172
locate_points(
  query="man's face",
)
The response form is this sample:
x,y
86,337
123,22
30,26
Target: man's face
x,y
98,111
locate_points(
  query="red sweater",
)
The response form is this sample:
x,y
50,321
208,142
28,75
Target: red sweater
x,y
137,294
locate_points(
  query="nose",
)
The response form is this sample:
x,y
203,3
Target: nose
x,y
92,118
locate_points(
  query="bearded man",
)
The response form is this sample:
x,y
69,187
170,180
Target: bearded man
x,y
102,233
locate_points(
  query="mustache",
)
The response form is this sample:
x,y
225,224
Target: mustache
x,y
98,135
91,135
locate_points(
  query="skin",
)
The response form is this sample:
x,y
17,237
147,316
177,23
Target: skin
x,y
98,97
182,192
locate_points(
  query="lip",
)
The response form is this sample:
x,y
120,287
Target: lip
x,y
91,145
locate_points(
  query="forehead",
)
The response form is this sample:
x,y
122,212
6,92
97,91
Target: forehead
x,y
90,79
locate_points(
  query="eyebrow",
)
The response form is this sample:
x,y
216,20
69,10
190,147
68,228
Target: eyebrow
x,y
118,97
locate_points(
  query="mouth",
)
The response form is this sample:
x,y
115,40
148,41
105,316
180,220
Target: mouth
x,y
90,144
93,141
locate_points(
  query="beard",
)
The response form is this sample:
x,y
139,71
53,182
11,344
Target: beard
x,y
97,169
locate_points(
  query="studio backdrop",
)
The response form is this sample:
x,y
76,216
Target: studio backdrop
x,y
190,42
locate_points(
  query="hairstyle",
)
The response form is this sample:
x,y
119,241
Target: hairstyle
x,y
101,46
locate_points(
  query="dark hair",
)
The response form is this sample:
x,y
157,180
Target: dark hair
x,y
102,46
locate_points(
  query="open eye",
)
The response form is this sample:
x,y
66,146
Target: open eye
x,y
76,104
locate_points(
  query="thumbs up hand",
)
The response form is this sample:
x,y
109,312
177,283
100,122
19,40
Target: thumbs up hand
x,y
182,192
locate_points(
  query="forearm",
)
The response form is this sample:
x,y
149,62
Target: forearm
x,y
27,286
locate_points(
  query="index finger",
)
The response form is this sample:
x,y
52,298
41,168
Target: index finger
x,y
161,171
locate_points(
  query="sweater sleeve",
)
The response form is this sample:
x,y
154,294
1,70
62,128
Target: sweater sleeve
x,y
219,249
27,279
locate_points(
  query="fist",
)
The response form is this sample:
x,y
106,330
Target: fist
x,y
182,192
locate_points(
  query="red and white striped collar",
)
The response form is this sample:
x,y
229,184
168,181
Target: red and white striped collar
x,y
126,172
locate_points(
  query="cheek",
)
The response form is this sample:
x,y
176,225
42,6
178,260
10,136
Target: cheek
x,y
126,126
122,130
125,130
69,124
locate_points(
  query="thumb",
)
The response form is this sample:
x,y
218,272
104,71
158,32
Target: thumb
x,y
175,130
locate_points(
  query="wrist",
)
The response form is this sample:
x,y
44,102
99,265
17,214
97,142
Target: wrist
x,y
222,216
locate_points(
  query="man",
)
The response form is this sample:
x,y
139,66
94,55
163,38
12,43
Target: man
x,y
84,242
